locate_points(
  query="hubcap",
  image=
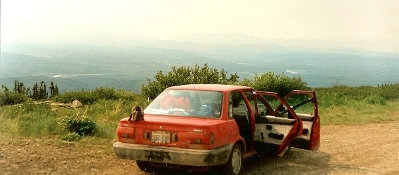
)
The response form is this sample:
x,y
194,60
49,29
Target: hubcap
x,y
236,160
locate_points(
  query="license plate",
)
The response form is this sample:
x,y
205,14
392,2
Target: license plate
x,y
160,137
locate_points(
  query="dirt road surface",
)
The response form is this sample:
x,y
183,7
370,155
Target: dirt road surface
x,y
365,149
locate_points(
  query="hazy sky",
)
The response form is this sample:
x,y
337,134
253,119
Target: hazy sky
x,y
361,24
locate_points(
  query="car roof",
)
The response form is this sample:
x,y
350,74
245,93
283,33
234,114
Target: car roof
x,y
210,87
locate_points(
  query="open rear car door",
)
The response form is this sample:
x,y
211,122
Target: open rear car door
x,y
274,130
284,122
304,103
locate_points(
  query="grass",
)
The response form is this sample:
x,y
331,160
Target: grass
x,y
342,105
359,113
42,120
337,106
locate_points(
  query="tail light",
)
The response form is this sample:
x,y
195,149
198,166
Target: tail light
x,y
125,133
201,140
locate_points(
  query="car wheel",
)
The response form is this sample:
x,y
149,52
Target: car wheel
x,y
234,165
143,165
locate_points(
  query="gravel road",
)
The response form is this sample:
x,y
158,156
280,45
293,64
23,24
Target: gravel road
x,y
364,149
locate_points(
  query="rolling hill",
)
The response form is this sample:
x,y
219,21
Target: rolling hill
x,y
75,67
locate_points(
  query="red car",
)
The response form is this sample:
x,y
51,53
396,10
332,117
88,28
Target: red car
x,y
204,125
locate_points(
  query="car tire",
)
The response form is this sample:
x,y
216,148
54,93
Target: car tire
x,y
234,165
143,165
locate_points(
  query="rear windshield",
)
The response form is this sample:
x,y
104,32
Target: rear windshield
x,y
187,103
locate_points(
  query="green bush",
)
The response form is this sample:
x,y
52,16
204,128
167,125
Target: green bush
x,y
376,100
272,82
186,75
11,98
390,91
126,95
80,125
68,97
90,97
104,93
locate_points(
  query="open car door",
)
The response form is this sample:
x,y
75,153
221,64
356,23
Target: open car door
x,y
304,103
276,123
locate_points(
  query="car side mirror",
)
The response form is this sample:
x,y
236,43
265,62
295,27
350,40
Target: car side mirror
x,y
136,115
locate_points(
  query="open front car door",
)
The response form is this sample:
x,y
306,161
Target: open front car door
x,y
304,103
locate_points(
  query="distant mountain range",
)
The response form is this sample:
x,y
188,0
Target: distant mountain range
x,y
76,67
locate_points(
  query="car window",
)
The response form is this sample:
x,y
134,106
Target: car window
x,y
187,103
237,106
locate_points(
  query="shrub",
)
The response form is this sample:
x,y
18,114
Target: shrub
x,y
89,97
104,93
281,84
390,91
83,96
186,75
126,95
376,100
80,125
11,98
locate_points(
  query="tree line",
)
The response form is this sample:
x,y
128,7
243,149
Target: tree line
x,y
37,92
